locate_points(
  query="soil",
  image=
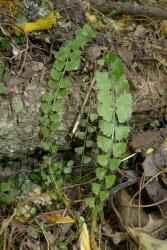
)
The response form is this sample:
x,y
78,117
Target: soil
x,y
141,45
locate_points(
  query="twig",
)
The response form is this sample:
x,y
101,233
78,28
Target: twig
x,y
116,189
25,56
128,157
92,83
44,233
25,51
68,7
7,222
10,237
79,184
149,205
150,180
126,8
83,106
139,209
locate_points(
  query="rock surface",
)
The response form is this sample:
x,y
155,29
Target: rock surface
x,y
20,126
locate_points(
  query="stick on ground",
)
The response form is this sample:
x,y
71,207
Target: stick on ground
x,y
106,7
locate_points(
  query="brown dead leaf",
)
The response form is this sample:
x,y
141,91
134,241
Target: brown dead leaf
x,y
126,55
118,237
140,31
155,162
42,199
147,242
30,244
129,215
158,193
156,226
93,52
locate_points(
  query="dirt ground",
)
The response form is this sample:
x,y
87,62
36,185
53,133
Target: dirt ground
x,y
140,41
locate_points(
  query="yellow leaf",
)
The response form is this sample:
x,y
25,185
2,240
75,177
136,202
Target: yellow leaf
x,y
146,241
84,240
149,151
25,213
165,145
59,219
164,27
126,17
90,18
8,4
118,25
92,236
40,24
